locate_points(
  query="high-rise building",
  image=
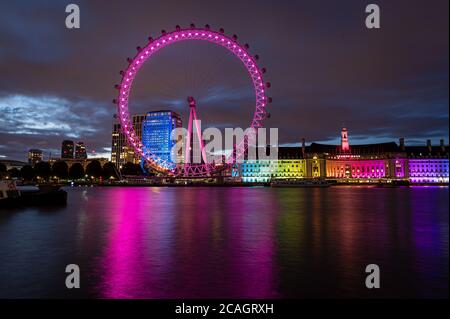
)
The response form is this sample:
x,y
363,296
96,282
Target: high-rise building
x,y
121,152
80,151
157,133
67,149
34,156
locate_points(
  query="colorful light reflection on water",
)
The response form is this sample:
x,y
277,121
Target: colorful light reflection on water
x,y
230,243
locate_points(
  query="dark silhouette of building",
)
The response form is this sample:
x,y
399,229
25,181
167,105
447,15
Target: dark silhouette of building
x,y
67,149
34,156
121,152
80,151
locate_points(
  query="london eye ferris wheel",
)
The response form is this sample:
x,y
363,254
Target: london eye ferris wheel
x,y
149,50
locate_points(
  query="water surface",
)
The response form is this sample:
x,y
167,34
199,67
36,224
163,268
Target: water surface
x,y
236,242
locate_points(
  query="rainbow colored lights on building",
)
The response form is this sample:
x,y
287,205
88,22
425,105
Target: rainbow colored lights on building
x,y
364,163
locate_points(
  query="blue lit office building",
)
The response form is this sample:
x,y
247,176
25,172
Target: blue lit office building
x,y
156,133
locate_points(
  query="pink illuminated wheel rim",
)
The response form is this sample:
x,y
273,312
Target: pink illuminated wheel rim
x,y
153,46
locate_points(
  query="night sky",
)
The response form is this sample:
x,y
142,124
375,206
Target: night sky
x,y
326,68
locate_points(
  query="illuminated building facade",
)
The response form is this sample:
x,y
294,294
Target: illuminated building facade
x,y
121,152
315,166
361,162
257,171
157,133
289,165
67,149
428,170
34,156
353,167
353,163
428,164
80,151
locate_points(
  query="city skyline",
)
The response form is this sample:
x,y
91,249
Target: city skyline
x,y
352,76
134,158
359,163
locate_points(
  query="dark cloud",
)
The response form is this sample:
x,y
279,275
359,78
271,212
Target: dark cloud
x,y
325,67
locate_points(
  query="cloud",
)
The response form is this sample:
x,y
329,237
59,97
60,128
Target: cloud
x,y
49,115
44,121
325,67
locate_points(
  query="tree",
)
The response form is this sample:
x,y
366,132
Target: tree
x,y
60,169
76,171
94,169
27,172
2,169
43,170
109,170
131,169
13,173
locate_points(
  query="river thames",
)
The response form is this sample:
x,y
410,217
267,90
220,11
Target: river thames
x,y
229,242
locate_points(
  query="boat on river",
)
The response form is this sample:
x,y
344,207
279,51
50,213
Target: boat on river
x,y
12,195
300,183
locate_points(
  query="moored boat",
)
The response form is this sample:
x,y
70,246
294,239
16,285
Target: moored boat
x,y
12,195
9,194
300,183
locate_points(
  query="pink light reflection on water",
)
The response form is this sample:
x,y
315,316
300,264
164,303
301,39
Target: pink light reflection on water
x,y
137,252
188,246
